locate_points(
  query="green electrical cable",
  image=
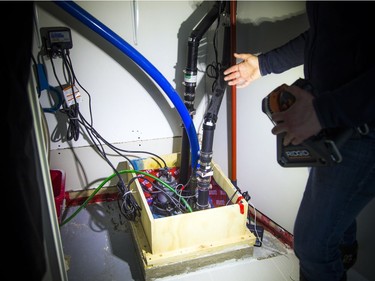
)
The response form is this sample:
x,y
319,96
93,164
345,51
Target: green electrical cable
x,y
112,176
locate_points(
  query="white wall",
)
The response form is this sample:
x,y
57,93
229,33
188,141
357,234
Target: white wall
x,y
130,111
123,97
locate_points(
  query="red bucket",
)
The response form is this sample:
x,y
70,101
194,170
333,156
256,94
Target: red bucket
x,y
58,184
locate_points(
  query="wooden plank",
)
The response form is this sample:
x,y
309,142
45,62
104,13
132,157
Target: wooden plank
x,y
184,261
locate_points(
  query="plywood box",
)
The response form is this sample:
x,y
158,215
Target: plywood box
x,y
195,234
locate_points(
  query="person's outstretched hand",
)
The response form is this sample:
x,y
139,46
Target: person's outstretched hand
x,y
299,121
243,73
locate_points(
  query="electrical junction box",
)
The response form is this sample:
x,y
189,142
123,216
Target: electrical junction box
x,y
183,242
56,38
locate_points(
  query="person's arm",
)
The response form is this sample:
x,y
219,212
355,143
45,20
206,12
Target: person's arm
x,y
351,105
252,67
243,73
285,57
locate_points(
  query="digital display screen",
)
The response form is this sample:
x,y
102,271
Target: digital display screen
x,y
59,36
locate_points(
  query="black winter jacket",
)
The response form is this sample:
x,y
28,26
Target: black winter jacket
x,y
338,54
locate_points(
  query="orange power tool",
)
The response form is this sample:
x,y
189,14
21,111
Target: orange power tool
x,y
319,150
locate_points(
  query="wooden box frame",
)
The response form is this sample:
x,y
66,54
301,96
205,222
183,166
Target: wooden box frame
x,y
185,236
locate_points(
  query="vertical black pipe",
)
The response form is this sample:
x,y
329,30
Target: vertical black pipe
x,y
204,172
190,82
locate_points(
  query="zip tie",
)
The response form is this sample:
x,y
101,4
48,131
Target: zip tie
x,y
130,191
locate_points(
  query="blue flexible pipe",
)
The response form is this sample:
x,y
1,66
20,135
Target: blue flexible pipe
x,y
91,22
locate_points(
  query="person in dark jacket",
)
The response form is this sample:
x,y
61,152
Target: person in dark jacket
x,y
338,56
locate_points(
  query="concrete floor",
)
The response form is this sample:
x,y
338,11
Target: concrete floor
x,y
98,246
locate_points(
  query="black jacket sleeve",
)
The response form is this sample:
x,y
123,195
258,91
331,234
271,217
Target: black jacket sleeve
x,y
285,57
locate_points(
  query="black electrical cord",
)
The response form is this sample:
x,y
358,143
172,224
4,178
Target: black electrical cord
x,y
73,125
129,207
213,69
231,198
70,67
55,74
117,150
172,199
155,190
71,111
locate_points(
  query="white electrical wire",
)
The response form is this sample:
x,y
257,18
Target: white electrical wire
x,y
255,220
135,14
257,235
